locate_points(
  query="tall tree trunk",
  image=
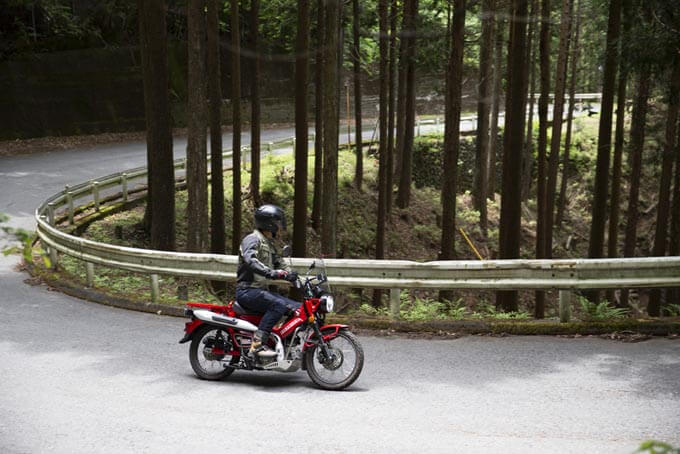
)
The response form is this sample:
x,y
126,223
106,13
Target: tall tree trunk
x,y
637,140
341,56
663,208
528,159
144,43
513,139
452,137
404,195
401,92
614,208
483,108
255,142
499,32
318,117
382,149
301,130
558,114
674,247
541,205
217,228
161,177
561,200
356,56
330,130
599,217
391,104
236,115
197,177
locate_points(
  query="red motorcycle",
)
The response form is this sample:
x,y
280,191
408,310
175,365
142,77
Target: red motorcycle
x,y
221,336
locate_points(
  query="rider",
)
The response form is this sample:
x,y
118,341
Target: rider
x,y
258,264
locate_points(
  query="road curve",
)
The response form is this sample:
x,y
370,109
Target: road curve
x,y
80,377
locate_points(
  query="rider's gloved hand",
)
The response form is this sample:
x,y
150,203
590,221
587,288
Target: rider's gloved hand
x,y
292,276
277,274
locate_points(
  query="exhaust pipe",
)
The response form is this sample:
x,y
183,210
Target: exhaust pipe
x,y
223,321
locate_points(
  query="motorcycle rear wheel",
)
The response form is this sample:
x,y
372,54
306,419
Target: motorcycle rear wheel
x,y
204,362
340,371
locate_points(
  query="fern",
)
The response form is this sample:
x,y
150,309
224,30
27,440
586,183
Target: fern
x,y
600,311
672,310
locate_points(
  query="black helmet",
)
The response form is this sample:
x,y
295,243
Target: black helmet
x,y
270,218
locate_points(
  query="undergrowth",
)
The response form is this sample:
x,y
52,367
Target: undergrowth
x,y
413,233
417,309
603,310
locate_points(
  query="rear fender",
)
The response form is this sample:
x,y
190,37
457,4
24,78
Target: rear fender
x,y
190,328
328,332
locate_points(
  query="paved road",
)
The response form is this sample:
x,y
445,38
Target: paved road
x,y
79,377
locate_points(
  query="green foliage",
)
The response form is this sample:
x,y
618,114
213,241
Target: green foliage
x,y
134,286
600,311
23,237
56,25
422,309
367,309
428,232
672,310
428,162
487,310
583,151
656,447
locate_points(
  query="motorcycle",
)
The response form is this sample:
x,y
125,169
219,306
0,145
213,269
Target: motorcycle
x,y
220,338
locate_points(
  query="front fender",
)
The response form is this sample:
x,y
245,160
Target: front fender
x,y
328,332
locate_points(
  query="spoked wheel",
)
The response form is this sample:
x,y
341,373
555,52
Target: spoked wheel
x,y
208,353
343,366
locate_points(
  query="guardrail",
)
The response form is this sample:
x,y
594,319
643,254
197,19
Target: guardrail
x,y
565,275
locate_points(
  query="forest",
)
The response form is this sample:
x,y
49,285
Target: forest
x,y
604,181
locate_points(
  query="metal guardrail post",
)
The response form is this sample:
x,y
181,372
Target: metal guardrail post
x,y
89,267
155,291
244,157
294,142
95,194
69,203
418,127
124,184
395,302
565,305
50,213
52,251
270,147
436,121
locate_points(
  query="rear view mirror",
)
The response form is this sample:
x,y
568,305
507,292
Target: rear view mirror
x,y
287,251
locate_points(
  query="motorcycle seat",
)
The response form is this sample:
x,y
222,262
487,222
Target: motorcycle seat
x,y
240,310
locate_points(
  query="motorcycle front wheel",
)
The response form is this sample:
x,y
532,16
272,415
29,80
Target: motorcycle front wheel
x,y
343,366
207,353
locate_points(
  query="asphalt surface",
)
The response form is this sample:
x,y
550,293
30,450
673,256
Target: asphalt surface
x,y
80,377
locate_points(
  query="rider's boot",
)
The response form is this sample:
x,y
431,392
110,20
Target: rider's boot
x,y
259,345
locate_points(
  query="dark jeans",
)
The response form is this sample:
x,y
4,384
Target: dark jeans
x,y
272,305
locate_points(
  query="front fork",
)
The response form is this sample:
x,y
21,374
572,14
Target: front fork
x,y
325,351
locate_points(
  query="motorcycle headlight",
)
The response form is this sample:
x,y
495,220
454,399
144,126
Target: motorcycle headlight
x,y
328,302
